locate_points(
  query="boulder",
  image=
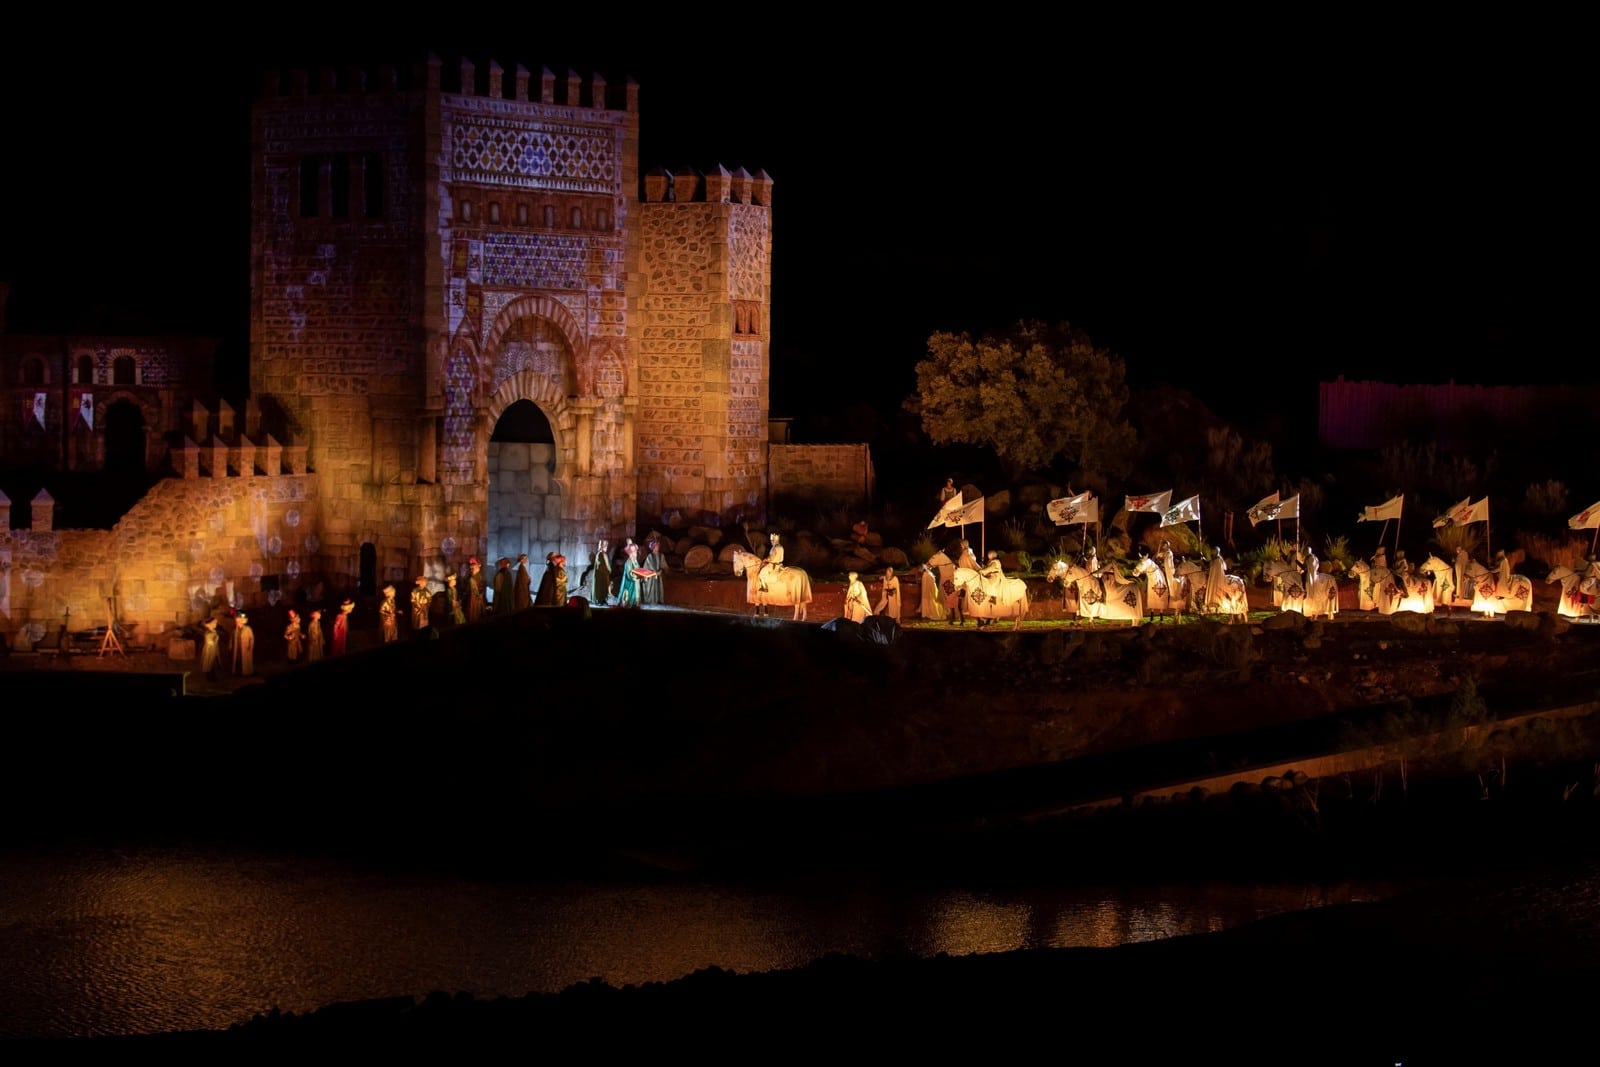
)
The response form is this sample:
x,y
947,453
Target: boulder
x,y
699,558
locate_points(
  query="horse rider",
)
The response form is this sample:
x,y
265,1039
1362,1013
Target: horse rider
x,y
773,564
991,580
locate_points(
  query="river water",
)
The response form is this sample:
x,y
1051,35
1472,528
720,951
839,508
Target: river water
x,y
133,939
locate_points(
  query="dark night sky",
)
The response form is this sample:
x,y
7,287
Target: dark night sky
x,y
1239,210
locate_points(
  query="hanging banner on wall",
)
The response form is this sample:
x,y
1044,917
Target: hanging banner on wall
x,y
86,409
37,409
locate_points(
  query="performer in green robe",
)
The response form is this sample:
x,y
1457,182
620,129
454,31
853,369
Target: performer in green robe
x,y
628,585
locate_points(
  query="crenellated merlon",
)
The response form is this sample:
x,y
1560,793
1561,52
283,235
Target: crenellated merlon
x,y
717,186
468,80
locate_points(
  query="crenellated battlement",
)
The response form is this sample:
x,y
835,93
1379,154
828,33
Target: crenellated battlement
x,y
717,186
465,77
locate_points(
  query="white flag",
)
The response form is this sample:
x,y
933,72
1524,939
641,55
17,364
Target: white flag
x,y
1066,505
1464,513
86,409
948,508
1273,508
38,408
1389,509
1183,511
1085,507
972,512
1265,508
1587,519
1156,502
1448,518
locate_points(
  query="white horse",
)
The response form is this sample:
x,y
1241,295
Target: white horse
x,y
1289,590
1444,582
1172,598
1103,593
790,586
1380,589
1009,601
1230,598
1490,599
1580,595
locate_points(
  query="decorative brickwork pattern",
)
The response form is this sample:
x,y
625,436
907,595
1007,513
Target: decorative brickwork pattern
x,y
508,152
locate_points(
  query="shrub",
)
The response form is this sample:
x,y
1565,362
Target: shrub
x,y
1014,534
1545,500
1338,550
1450,538
1555,551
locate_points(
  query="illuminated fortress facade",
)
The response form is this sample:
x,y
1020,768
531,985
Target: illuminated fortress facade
x,y
492,334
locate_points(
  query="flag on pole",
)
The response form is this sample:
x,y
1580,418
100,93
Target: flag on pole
x,y
1260,512
1289,509
948,508
38,409
972,512
86,409
1464,513
1389,509
1587,519
1447,519
1183,511
1156,502
1085,507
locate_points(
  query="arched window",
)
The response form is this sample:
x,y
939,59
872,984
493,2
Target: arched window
x,y
602,219
33,371
549,215
522,214
494,212
123,371
575,218
85,370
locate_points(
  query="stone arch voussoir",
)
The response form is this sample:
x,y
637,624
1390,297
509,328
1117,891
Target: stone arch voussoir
x,y
537,307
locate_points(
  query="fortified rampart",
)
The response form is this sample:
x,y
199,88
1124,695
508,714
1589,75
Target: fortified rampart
x,y
189,545
842,471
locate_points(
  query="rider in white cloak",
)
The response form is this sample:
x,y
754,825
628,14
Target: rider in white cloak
x,y
772,566
1216,578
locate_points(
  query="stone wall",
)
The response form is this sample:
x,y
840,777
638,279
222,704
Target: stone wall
x,y
187,545
841,470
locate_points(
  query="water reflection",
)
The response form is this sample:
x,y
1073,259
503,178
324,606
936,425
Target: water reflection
x,y
97,941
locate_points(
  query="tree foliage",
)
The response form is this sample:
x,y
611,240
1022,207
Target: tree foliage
x,y
1035,394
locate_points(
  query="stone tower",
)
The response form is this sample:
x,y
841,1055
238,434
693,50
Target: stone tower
x,y
489,338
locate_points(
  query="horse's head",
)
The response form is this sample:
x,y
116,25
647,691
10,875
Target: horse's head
x,y
741,560
1360,567
1565,575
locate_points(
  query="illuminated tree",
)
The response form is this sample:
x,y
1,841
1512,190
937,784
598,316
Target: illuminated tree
x,y
1035,394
